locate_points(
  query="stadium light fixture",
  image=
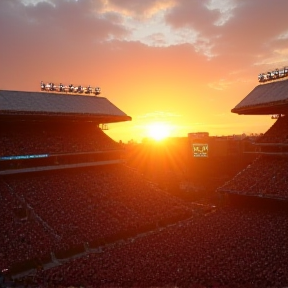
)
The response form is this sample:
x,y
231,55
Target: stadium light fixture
x,y
61,88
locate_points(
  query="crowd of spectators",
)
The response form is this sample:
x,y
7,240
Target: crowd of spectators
x,y
229,247
20,239
70,208
170,243
277,133
267,176
226,247
38,138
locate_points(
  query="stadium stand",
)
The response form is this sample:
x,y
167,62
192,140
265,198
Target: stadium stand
x,y
226,248
267,175
99,224
90,206
278,133
41,129
43,138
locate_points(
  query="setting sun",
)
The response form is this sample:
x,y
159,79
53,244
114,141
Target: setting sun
x,y
158,131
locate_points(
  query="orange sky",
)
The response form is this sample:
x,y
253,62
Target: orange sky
x,y
185,63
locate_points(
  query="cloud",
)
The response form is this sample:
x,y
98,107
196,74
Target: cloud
x,y
187,37
255,35
60,18
225,32
225,7
137,9
154,32
283,36
213,28
35,2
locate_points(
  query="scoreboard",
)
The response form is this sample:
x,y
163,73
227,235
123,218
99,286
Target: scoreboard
x,y
200,150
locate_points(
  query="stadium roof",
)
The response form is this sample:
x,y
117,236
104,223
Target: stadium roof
x,y
265,99
56,105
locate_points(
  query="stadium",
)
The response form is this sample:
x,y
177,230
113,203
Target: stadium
x,y
76,214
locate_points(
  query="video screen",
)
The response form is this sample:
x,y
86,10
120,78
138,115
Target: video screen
x,y
200,150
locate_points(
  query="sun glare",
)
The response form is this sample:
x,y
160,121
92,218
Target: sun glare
x,y
158,131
